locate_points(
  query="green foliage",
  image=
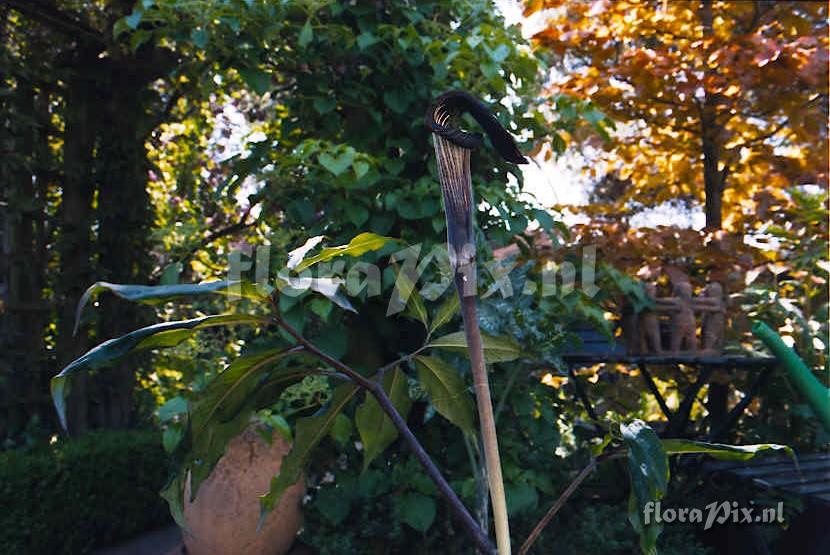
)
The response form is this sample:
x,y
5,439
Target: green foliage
x,y
376,429
496,349
310,431
648,467
165,334
447,391
79,494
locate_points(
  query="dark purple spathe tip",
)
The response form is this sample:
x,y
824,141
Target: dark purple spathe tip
x,y
450,104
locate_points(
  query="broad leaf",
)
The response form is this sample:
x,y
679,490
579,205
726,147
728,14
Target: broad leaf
x,y
648,466
358,246
445,312
154,294
415,307
375,428
720,451
165,334
447,391
417,510
496,349
307,434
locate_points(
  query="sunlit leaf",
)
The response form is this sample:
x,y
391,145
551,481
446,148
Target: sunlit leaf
x,y
447,391
496,349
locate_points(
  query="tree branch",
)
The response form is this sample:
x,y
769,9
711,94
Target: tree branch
x,y
219,233
537,530
50,15
456,506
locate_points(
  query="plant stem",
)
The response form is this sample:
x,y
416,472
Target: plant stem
x,y
534,535
456,184
487,421
479,537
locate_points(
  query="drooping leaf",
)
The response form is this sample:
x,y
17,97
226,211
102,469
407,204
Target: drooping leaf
x,y
165,334
358,246
496,349
296,256
375,428
407,291
447,391
154,294
720,451
648,467
307,434
330,288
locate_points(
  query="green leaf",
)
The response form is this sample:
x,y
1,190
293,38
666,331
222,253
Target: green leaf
x,y
417,510
170,438
334,503
500,53
520,497
496,349
296,256
375,428
358,246
398,100
365,40
134,19
414,303
199,37
341,431
330,288
545,219
337,164
165,334
360,168
171,409
720,451
324,104
259,81
447,391
170,274
648,467
306,34
445,312
307,434
357,214
154,294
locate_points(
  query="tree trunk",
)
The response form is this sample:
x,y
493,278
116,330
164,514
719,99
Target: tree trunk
x,y
124,217
74,244
714,176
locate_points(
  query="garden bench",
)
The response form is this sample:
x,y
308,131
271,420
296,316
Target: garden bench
x,y
808,481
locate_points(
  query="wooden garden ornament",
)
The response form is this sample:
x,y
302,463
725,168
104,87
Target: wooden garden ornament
x,y
648,325
683,326
452,150
713,325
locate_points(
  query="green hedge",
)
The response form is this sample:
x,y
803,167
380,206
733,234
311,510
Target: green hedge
x,y
82,493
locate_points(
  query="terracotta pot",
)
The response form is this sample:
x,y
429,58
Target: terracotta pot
x,y
224,516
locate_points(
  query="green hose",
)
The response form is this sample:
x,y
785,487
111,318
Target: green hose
x,y
817,395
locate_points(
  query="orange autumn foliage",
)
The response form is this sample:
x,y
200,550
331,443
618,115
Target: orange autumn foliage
x,y
715,101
